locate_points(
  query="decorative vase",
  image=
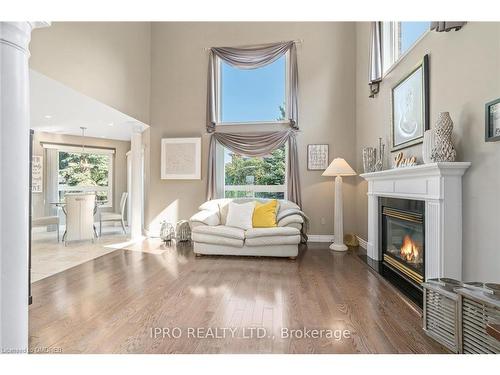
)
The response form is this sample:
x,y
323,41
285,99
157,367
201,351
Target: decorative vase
x,y
428,145
167,232
369,159
443,149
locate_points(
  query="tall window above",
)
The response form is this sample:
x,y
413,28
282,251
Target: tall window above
x,y
398,38
253,95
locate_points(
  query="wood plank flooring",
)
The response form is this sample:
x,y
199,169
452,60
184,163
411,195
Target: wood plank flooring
x,y
111,305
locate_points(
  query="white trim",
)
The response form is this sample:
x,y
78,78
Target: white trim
x,y
362,242
79,149
320,238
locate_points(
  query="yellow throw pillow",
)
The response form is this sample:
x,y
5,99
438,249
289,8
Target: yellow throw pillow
x,y
264,214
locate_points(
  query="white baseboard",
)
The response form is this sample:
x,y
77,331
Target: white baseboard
x,y
363,243
320,237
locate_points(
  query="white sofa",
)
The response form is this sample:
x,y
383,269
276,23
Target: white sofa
x,y
212,237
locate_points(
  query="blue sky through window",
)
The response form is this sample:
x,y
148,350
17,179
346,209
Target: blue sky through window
x,y
410,32
252,95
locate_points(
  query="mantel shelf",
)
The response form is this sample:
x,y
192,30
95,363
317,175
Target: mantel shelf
x,y
430,169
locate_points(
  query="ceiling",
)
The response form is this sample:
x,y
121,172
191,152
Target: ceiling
x,y
56,108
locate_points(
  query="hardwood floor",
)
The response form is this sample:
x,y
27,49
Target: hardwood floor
x,y
111,305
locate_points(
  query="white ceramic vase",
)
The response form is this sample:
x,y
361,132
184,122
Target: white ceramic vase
x,y
443,149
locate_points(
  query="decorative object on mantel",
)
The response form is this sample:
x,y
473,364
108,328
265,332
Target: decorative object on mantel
x,y
443,149
401,161
492,121
317,157
410,107
338,168
428,145
166,232
369,159
373,161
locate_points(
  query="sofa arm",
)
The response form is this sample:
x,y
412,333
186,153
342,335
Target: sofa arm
x,y
204,217
291,221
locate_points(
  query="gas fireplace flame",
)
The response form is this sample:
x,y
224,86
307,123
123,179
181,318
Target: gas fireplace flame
x,y
409,250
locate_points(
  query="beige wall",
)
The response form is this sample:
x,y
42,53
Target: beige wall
x,y
109,61
464,75
119,164
327,95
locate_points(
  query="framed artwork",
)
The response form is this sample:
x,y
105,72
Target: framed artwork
x,y
317,157
492,121
410,107
37,174
181,158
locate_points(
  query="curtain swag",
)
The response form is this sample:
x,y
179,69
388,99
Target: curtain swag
x,y
441,26
375,67
256,145
252,58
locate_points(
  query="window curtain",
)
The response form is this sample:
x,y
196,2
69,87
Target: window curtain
x,y
252,58
256,145
441,26
375,68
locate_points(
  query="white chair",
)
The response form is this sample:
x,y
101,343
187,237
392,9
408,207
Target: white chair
x,y
79,210
114,216
45,221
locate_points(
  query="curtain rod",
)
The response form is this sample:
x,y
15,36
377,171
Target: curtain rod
x,y
296,41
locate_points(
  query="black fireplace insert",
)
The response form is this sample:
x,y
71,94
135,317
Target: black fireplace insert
x,y
402,244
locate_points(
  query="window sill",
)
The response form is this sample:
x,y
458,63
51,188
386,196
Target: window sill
x,y
404,55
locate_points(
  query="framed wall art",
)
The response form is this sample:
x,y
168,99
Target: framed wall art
x,y
181,158
410,107
37,174
317,157
492,121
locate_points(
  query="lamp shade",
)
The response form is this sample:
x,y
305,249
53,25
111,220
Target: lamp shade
x,y
339,167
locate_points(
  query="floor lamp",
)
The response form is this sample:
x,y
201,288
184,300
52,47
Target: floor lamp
x,y
338,168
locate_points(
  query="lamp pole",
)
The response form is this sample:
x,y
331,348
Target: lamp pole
x,y
338,225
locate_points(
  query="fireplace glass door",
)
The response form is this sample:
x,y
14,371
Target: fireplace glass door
x,y
404,242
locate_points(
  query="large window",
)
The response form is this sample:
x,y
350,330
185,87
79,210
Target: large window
x,y
263,177
398,38
252,95
88,171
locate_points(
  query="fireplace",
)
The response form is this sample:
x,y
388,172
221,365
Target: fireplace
x,y
402,244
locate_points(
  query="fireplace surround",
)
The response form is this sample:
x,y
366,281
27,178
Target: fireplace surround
x,y
438,188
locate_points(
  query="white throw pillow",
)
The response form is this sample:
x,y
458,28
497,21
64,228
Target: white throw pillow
x,y
240,215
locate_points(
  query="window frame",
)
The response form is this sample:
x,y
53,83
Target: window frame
x,y
90,189
218,81
221,173
390,39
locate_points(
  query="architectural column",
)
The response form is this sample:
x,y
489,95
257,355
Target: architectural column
x,y
14,181
137,184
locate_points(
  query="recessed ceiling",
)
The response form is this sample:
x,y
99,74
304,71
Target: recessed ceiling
x,y
56,108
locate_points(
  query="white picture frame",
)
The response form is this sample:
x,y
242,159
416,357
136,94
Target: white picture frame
x,y
181,158
318,156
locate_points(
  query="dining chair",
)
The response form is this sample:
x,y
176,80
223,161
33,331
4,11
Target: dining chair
x,y
45,221
79,210
115,216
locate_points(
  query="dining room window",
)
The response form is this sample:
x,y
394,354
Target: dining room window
x,y
90,170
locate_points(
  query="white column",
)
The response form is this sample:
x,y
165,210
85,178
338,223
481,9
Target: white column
x,y
338,225
137,183
14,180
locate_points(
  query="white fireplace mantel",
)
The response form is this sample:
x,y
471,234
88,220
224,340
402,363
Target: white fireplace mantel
x,y
440,186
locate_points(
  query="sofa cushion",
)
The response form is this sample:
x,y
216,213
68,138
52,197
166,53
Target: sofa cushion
x,y
216,240
273,240
220,231
264,214
240,215
272,232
